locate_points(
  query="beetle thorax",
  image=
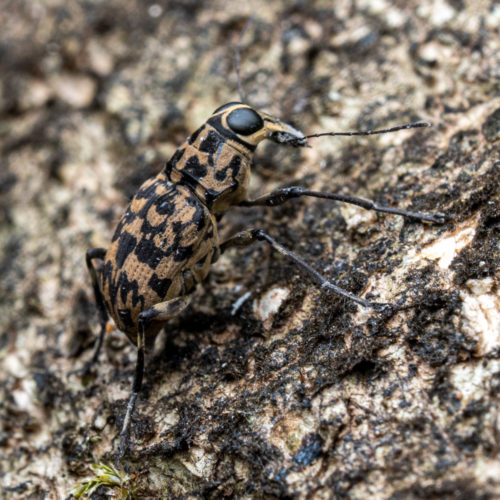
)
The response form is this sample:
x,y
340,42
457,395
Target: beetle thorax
x,y
216,168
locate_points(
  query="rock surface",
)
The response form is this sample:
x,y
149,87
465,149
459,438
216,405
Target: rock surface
x,y
316,398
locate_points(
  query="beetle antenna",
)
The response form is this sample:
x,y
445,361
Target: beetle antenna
x,y
373,132
237,56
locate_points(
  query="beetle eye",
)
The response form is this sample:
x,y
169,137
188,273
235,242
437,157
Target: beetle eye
x,y
244,121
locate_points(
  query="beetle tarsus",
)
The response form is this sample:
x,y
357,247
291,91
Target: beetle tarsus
x,y
124,442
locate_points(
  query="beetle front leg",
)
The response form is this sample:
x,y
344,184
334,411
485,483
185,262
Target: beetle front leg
x,y
159,312
281,195
245,238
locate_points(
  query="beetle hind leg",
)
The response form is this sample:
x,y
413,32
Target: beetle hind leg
x,y
245,238
90,256
159,312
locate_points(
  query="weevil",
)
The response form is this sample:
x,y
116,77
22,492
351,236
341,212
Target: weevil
x,y
167,239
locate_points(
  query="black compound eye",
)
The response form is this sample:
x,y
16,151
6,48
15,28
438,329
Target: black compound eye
x,y
244,121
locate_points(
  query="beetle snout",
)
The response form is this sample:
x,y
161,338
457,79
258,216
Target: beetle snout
x,y
288,138
283,133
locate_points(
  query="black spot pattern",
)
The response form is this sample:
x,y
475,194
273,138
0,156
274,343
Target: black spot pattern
x,y
159,285
192,138
165,205
148,253
234,166
211,144
194,168
183,253
126,246
128,218
124,287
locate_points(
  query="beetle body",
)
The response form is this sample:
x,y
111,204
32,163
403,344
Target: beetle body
x,y
167,239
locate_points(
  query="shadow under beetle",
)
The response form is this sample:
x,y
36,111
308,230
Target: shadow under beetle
x,y
167,240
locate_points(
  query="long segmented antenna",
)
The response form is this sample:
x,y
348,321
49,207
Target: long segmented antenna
x,y
303,140
237,57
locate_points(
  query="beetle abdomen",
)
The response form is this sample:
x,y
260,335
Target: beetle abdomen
x,y
165,231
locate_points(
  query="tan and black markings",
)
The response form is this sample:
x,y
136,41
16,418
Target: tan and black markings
x,y
167,240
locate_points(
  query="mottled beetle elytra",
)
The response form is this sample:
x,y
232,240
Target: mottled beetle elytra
x,y
167,239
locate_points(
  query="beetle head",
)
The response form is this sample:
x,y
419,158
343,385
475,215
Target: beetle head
x,y
247,126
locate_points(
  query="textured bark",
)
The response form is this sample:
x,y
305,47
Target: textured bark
x,y
264,387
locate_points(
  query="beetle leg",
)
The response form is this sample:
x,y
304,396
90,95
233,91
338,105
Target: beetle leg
x,y
162,311
90,255
281,195
245,238
97,253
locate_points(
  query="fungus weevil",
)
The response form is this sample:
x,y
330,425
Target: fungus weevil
x,y
167,240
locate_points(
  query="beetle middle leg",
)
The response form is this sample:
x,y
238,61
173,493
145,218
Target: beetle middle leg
x,y
281,195
158,313
245,238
